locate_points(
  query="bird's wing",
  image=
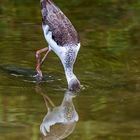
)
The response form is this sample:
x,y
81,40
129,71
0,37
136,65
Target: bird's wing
x,y
62,29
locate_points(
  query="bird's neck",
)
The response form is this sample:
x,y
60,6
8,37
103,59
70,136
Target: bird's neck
x,y
69,74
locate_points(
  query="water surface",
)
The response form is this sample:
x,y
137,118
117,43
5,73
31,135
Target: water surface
x,y
108,66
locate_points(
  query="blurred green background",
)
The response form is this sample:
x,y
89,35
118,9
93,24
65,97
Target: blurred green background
x,y
108,66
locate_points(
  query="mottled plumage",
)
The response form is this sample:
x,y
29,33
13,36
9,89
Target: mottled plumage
x,y
62,29
62,38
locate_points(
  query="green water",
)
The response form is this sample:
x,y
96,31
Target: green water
x,y
108,66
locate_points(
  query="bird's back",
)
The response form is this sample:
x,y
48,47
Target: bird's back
x,y
62,29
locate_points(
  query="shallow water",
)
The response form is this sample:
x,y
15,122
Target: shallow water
x,y
108,66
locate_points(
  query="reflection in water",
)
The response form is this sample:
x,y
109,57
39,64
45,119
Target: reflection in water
x,y
27,74
60,121
108,66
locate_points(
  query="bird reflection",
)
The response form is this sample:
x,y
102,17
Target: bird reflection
x,y
60,121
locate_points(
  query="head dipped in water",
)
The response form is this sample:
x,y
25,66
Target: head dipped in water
x,y
74,85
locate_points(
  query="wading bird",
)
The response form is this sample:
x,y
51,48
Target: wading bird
x,y
62,38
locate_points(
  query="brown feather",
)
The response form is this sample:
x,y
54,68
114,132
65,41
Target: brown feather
x,y
62,29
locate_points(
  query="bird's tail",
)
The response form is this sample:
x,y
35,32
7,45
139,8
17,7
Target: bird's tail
x,y
44,11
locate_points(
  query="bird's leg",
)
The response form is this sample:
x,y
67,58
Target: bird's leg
x,y
39,62
38,56
45,56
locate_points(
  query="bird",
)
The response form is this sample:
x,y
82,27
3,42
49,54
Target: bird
x,y
62,38
60,121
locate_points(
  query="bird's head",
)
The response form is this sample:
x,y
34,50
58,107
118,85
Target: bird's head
x,y
74,85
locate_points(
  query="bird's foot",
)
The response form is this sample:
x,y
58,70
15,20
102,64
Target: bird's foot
x,y
38,76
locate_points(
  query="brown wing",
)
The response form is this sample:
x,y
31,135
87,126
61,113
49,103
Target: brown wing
x,y
62,29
